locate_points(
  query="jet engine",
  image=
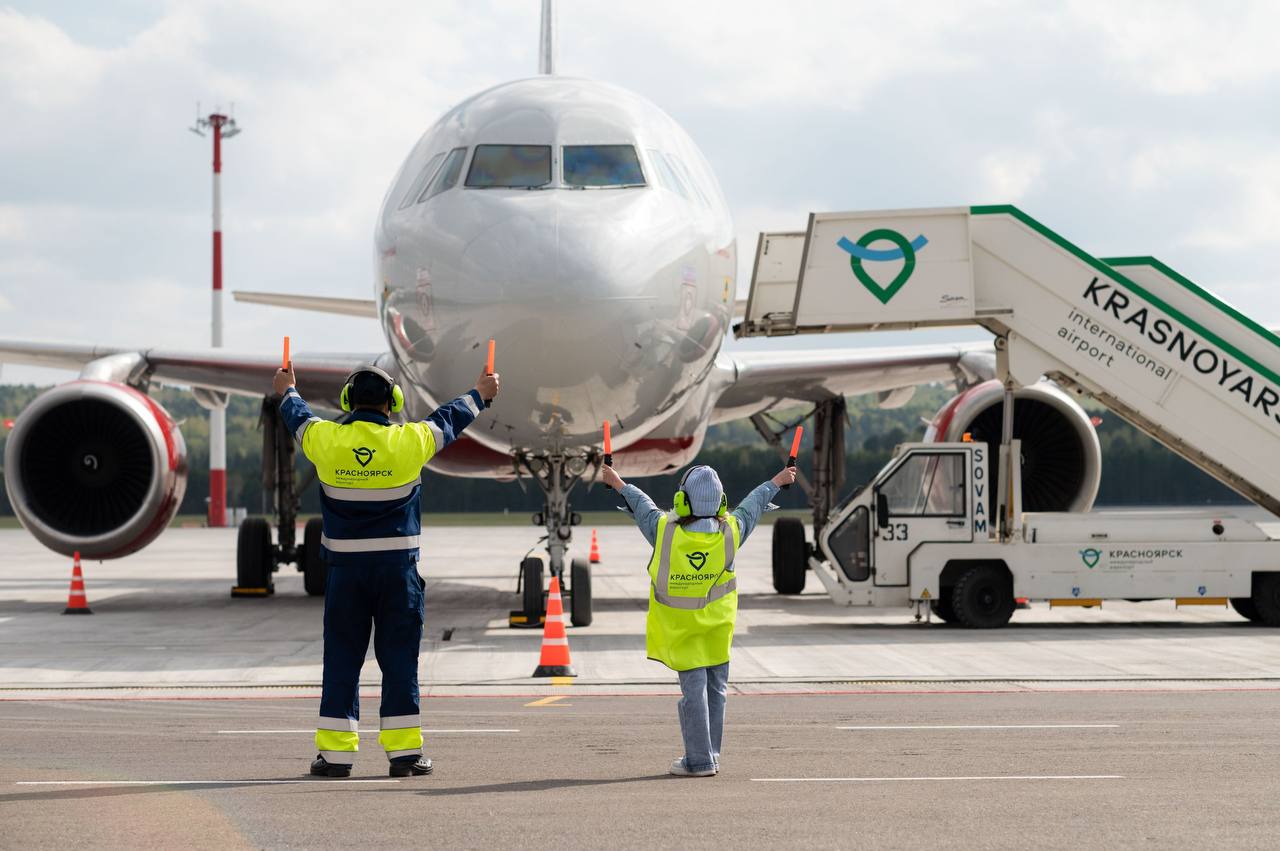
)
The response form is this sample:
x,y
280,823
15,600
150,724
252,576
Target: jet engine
x,y
95,467
1061,457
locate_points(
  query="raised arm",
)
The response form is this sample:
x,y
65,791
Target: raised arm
x,y
451,419
645,513
297,414
749,510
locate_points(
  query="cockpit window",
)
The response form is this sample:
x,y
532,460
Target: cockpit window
x,y
447,176
421,180
667,176
601,165
510,167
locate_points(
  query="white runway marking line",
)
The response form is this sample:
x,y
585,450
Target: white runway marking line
x,y
187,782
363,732
936,779
984,727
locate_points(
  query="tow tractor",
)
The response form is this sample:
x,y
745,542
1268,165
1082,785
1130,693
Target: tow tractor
x,y
920,534
943,526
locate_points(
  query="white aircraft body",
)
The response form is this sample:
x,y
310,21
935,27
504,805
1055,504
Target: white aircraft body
x,y
573,222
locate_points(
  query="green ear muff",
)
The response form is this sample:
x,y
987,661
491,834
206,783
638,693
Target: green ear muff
x,y
724,506
397,395
681,504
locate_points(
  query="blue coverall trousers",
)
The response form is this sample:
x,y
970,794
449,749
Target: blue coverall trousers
x,y
387,598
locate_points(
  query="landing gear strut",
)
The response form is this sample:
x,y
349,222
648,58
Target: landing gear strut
x,y
556,475
257,559
790,550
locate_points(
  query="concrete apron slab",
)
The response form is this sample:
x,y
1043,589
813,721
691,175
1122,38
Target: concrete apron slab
x,y
164,621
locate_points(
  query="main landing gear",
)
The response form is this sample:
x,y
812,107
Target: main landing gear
x,y
556,475
257,558
790,549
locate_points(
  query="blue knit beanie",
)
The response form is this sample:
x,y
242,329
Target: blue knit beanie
x,y
704,491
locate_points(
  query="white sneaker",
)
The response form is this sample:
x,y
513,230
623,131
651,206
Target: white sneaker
x,y
678,768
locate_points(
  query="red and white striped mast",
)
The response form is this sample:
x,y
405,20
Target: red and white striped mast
x,y
223,127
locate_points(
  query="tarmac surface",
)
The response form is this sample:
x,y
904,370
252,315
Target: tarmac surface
x,y
176,716
1052,770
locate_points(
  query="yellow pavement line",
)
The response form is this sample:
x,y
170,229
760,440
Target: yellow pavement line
x,y
550,701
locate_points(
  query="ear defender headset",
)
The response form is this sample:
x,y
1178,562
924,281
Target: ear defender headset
x,y
397,395
681,501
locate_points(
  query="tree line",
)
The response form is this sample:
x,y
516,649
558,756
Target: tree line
x,y
1136,470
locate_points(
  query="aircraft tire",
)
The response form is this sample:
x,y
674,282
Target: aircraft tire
x,y
1245,608
943,607
1266,598
255,556
983,597
790,555
580,592
315,570
531,582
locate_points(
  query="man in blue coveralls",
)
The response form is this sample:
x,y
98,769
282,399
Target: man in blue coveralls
x,y
370,475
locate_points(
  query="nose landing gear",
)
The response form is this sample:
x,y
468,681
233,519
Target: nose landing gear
x,y
556,475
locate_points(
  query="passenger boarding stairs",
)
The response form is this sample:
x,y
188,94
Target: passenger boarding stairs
x,y
1162,352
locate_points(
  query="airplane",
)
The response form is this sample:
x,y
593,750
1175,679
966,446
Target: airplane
x,y
579,225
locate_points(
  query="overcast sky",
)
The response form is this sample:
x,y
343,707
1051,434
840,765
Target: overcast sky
x,y
1130,128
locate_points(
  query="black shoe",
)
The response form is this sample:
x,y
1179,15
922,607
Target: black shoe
x,y
410,767
323,768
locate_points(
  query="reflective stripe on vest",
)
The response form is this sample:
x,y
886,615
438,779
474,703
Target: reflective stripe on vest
x,y
302,429
717,590
369,494
369,545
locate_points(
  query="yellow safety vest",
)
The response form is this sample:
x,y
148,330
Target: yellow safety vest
x,y
370,475
693,595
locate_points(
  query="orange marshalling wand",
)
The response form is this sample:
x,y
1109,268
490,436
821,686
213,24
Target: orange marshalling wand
x,y
795,450
488,368
608,448
284,364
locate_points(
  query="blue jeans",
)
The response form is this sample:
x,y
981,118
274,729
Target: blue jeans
x,y
702,715
386,598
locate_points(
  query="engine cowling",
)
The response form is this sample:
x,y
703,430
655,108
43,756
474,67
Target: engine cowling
x,y
1061,456
95,467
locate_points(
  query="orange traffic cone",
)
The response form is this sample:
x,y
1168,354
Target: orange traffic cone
x,y
554,661
77,603
595,548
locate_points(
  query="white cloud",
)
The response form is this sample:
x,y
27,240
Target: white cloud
x,y
1185,47
1138,127
1010,174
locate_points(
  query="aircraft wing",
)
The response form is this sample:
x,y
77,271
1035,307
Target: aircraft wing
x,y
367,308
320,376
755,381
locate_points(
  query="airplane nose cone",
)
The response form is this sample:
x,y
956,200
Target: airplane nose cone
x,y
583,293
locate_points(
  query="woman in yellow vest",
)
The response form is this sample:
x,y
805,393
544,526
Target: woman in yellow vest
x,y
693,596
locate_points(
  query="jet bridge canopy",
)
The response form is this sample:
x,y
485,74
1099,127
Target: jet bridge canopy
x,y
1172,358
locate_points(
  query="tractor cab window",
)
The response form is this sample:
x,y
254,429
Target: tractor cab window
x,y
927,484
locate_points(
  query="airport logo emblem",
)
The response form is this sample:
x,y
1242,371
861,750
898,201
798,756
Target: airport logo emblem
x,y
1090,557
697,560
363,455
861,251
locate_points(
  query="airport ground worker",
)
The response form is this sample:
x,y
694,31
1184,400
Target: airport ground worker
x,y
370,474
693,597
